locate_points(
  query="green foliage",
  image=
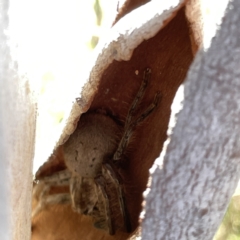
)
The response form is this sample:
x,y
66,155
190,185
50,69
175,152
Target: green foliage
x,y
230,227
98,12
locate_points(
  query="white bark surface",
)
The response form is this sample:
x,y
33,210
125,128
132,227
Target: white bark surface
x,y
189,196
17,134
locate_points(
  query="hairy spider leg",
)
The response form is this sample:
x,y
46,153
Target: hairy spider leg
x,y
129,130
83,192
57,177
61,198
42,188
75,183
139,96
101,183
118,184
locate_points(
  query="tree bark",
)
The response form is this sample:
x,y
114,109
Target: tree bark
x,y
17,134
189,195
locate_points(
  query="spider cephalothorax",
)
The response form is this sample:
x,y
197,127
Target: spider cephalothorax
x,y
93,142
91,155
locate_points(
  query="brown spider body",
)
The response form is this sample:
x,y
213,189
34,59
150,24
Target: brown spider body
x,y
91,154
95,140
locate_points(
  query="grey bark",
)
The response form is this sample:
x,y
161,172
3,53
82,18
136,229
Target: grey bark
x,y
189,196
4,56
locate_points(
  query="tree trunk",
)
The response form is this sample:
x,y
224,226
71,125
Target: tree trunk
x,y
189,195
17,133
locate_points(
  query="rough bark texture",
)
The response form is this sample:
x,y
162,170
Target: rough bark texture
x,y
189,196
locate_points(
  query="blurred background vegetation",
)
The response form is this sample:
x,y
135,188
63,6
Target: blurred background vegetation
x,y
98,16
230,227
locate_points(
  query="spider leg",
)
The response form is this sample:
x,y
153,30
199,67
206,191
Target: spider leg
x,y
118,183
40,192
139,96
43,186
83,194
56,178
129,129
75,193
62,198
101,183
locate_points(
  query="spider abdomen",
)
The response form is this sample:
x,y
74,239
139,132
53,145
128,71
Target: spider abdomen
x,y
95,139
